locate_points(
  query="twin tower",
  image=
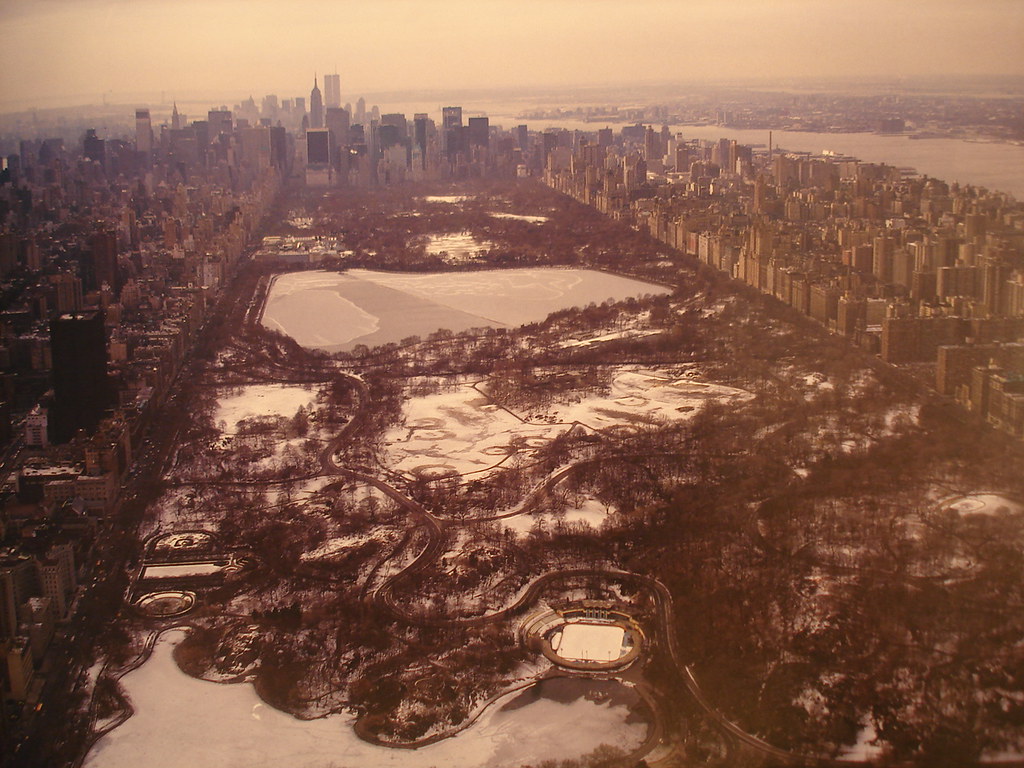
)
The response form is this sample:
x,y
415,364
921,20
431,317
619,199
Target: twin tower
x,y
330,98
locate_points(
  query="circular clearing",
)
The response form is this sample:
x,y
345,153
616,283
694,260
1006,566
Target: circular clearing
x,y
433,434
425,423
167,604
498,450
433,471
536,442
631,401
982,503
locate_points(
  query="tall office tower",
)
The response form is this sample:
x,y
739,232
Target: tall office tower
x,y
884,248
451,117
451,130
361,111
93,147
337,124
81,392
67,292
175,118
218,121
479,131
318,146
523,137
143,132
397,121
421,130
103,262
269,107
332,90
316,107
279,154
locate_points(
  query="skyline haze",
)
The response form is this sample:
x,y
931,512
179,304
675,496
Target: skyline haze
x,y
60,52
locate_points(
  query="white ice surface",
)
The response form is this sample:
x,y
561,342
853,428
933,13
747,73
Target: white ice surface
x,y
591,642
181,722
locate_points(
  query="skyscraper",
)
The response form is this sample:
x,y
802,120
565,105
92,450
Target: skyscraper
x,y
332,91
479,131
451,117
81,392
318,146
422,127
316,107
143,132
102,262
337,124
93,147
451,131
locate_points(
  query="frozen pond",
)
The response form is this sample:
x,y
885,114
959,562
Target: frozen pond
x,y
335,311
181,721
458,246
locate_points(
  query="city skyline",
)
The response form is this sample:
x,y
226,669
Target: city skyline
x,y
87,52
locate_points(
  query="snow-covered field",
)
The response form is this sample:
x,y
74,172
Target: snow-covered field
x,y
261,400
462,431
334,311
181,721
984,504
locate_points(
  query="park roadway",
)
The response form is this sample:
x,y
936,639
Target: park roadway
x,y
436,545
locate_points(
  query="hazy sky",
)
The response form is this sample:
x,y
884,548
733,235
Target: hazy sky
x,y
77,51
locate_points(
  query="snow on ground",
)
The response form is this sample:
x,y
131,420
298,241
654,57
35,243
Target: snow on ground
x,y
582,641
984,504
463,432
449,199
335,546
642,396
261,400
632,333
182,721
460,246
520,217
589,511
207,568
866,747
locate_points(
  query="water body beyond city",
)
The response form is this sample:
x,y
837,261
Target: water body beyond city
x,y
334,311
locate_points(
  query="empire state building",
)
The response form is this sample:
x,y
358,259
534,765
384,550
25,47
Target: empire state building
x,y
316,107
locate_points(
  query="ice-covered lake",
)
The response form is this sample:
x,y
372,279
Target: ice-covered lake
x,y
181,721
335,311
